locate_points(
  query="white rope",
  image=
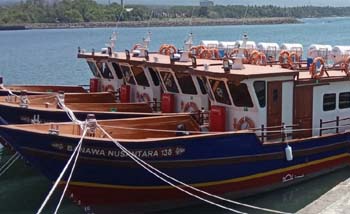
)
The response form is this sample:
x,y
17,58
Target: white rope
x,y
4,170
9,160
62,173
71,173
148,167
69,112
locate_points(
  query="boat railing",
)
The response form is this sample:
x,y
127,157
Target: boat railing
x,y
336,124
281,132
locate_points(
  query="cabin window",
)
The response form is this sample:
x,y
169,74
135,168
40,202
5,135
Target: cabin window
x,y
186,83
344,100
140,76
117,70
105,71
202,85
329,101
260,91
169,82
220,91
154,76
93,69
240,94
127,74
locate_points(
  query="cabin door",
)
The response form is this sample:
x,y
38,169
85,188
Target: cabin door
x,y
274,108
303,104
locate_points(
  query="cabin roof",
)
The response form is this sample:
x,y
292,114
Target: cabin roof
x,y
213,68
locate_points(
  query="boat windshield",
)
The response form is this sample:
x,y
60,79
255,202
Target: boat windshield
x,y
220,91
240,94
105,71
117,70
127,74
93,69
169,82
140,76
202,85
186,83
154,76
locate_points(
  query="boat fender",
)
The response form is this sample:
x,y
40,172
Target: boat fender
x,y
289,153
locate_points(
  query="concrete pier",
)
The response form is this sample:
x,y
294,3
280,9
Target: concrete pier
x,y
335,201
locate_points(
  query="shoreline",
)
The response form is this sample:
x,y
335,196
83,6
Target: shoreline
x,y
155,23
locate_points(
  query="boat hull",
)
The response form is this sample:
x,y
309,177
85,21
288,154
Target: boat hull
x,y
234,165
10,114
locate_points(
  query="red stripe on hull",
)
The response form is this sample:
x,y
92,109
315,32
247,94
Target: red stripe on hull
x,y
114,196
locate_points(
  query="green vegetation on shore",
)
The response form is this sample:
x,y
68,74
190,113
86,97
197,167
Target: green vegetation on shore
x,y
85,11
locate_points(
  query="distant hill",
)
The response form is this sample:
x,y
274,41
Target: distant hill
x,y
333,3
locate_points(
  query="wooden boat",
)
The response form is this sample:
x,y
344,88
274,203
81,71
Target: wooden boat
x,y
271,125
46,108
231,164
39,89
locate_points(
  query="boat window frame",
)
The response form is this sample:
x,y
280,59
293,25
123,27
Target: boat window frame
x,y
143,81
202,85
340,105
94,70
241,97
118,72
334,106
184,86
104,70
165,84
262,105
215,92
129,79
153,72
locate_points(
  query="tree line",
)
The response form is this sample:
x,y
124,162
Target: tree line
x,y
72,11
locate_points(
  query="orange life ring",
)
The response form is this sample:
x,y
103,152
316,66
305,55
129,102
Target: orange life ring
x,y
136,46
166,49
283,59
345,66
191,107
245,123
254,55
258,58
313,68
144,97
109,88
206,54
292,59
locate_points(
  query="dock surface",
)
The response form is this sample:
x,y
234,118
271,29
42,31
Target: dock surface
x,y
335,201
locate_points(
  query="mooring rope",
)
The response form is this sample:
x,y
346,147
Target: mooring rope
x,y
142,164
9,163
149,168
71,173
76,150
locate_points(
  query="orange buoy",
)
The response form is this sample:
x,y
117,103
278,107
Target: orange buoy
x,y
313,68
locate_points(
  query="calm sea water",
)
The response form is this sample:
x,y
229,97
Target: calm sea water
x,y
49,57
